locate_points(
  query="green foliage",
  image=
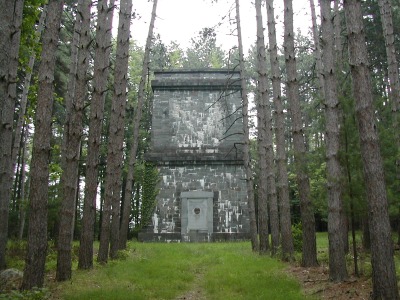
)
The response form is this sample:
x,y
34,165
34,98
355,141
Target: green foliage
x,y
34,294
123,254
297,233
204,52
317,165
166,57
146,175
31,15
15,254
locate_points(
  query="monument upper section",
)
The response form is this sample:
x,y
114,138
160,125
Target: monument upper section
x,y
197,116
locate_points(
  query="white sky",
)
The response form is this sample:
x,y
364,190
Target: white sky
x,y
181,20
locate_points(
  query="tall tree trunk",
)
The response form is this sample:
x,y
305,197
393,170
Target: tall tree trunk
x,y
351,196
309,258
385,9
261,100
267,136
337,28
317,49
246,137
337,259
282,175
72,142
38,195
24,97
383,271
100,77
21,201
116,137
72,75
135,138
10,24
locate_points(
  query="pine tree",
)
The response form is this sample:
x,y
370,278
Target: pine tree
x,y
136,123
10,24
100,77
282,174
246,146
267,170
39,174
72,142
309,258
111,208
337,259
383,270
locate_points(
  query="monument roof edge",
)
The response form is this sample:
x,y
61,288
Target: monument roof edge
x,y
205,70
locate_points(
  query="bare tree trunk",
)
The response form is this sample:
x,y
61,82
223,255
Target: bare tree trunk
x,y
21,202
135,138
282,176
351,196
307,213
317,49
116,137
38,195
383,270
24,97
267,173
246,146
337,259
261,100
339,65
10,24
100,77
337,29
385,9
72,142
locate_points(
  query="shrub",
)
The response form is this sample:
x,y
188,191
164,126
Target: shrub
x,y
297,232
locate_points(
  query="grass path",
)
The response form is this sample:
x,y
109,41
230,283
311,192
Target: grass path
x,y
185,271
196,291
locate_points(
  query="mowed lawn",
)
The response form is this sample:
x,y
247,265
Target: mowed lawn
x,y
184,271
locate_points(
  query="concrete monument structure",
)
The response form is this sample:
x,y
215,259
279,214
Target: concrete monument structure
x,y
196,143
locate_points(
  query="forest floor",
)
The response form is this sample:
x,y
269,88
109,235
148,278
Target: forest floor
x,y
315,283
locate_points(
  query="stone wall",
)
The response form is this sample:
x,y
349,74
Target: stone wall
x,y
197,145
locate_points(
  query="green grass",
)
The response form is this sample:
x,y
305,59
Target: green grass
x,y
166,271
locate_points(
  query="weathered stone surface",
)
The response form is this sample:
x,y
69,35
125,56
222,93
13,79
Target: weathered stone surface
x,y
197,136
10,279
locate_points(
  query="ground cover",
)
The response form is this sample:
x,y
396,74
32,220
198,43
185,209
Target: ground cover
x,y
184,271
199,271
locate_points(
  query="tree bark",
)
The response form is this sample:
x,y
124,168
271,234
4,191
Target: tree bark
x,y
309,258
10,24
261,101
282,175
38,195
383,271
385,9
21,202
267,171
72,142
135,138
317,49
24,97
100,77
337,259
246,145
111,209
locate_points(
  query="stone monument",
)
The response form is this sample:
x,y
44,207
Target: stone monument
x,y
196,143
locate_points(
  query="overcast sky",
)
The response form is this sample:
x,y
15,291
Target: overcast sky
x,y
180,20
